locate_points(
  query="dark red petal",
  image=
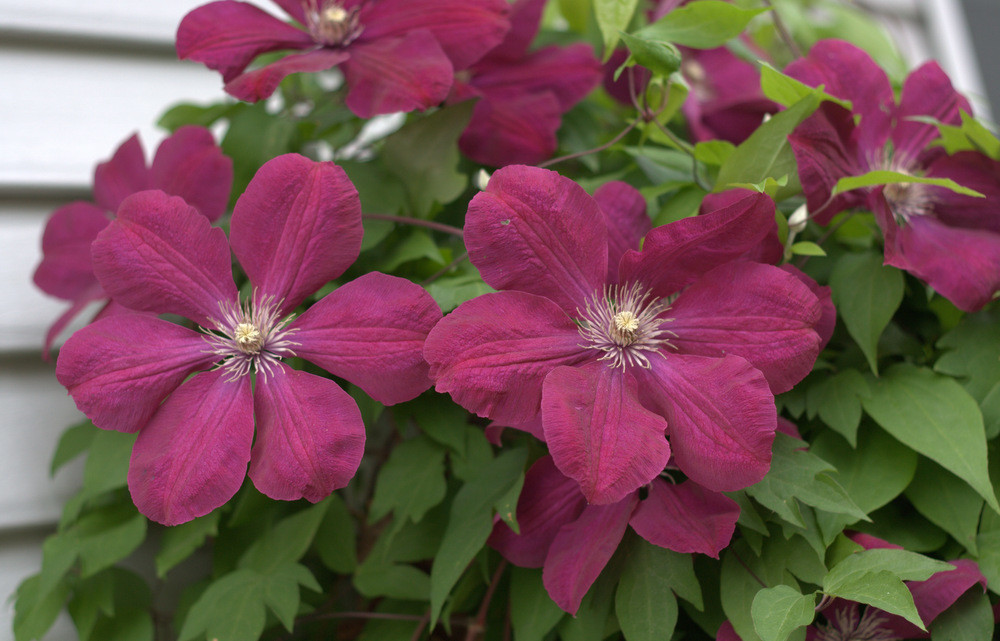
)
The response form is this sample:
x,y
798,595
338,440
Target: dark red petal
x,y
927,91
686,518
569,73
625,210
514,128
260,83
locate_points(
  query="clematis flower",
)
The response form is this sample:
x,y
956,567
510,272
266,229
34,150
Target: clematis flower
x,y
523,95
187,164
612,350
297,226
949,240
573,540
396,55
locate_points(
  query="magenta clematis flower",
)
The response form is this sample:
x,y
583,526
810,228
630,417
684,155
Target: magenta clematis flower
x,y
611,350
297,226
523,95
949,240
187,164
396,55
573,540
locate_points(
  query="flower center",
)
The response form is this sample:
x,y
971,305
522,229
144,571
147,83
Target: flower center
x,y
846,625
623,321
331,24
905,200
250,336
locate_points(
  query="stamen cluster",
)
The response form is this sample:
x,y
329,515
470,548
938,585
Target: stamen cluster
x,y
847,625
331,24
253,337
624,322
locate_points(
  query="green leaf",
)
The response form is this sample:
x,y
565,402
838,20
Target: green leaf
x,y
806,248
577,13
837,401
766,153
713,152
662,58
336,538
532,612
947,502
281,591
374,579
286,542
613,17
424,154
881,589
106,536
178,543
451,291
73,442
974,357
866,295
644,601
780,610
253,137
471,522
35,610
903,564
787,91
123,613
704,24
411,481
417,245
885,177
191,114
230,609
936,417
970,618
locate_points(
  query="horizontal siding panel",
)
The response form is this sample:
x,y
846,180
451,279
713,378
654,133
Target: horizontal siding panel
x,y
64,111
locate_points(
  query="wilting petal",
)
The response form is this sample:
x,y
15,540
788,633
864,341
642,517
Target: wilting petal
x,y
535,231
599,434
963,265
756,311
310,436
509,128
192,457
124,174
493,352
720,416
465,29
227,36
686,518
259,84
65,270
297,226
404,73
119,369
625,210
189,164
927,91
675,255
581,550
160,255
548,501
371,332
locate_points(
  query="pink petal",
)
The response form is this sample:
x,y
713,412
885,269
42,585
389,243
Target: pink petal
x,y
260,83
227,36
294,8
493,352
371,332
87,296
525,16
686,518
675,255
756,311
769,251
569,73
296,227
548,501
927,91
581,550
976,171
935,595
720,415
625,210
124,174
533,230
65,271
726,632
404,73
466,29
189,164
120,368
828,313
310,436
512,128
599,434
192,457
160,255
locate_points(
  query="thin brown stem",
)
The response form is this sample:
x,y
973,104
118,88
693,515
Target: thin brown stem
x,y
822,239
580,154
783,32
749,571
444,270
476,627
419,222
424,620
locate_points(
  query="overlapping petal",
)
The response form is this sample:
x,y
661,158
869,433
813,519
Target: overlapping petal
x,y
371,332
625,210
123,174
720,415
65,270
598,432
120,368
535,231
927,92
160,255
493,352
297,226
686,518
310,436
260,83
512,127
189,164
192,456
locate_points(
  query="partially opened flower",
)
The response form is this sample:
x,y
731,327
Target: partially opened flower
x,y
396,55
297,226
949,240
523,94
614,350
187,164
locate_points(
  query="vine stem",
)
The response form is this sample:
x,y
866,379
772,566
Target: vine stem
x,y
444,270
477,626
579,154
424,620
430,224
783,32
822,239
